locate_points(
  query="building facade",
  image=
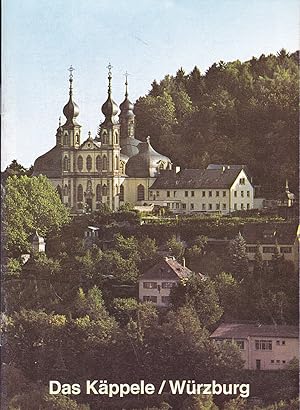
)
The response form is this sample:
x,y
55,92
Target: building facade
x,y
156,283
114,168
262,347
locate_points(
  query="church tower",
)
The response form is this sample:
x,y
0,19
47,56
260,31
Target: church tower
x,y
109,136
68,138
126,115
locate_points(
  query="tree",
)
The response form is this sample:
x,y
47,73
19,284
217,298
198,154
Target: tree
x,y
238,257
176,247
30,204
200,294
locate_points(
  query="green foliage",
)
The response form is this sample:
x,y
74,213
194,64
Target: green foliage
x,y
30,204
200,294
238,257
225,114
203,402
176,247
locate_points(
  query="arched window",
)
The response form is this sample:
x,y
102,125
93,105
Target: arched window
x,y
66,139
122,167
66,163
77,138
121,196
98,163
117,162
116,137
89,163
98,192
140,193
79,193
80,163
104,190
66,190
105,163
104,138
58,188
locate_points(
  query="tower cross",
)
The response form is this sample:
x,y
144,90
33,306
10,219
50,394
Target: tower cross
x,y
126,74
109,69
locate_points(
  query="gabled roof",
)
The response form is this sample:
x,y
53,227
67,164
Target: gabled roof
x,y
169,269
270,233
242,331
198,178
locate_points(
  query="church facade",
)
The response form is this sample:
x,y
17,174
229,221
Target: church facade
x,y
115,168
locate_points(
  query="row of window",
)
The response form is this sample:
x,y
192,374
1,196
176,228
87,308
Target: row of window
x,y
204,207
235,193
101,163
263,344
269,249
278,361
153,299
210,194
153,285
102,190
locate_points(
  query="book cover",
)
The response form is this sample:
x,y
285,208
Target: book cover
x,y
149,192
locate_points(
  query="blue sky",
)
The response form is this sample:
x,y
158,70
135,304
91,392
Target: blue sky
x,y
148,38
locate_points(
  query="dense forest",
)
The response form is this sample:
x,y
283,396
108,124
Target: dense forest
x,y
235,113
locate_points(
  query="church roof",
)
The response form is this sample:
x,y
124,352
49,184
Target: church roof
x,y
129,146
146,162
49,164
198,178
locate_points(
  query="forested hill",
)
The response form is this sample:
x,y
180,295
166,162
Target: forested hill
x,y
243,113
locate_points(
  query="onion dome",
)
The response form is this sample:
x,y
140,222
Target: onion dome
x,y
110,108
71,110
147,163
126,106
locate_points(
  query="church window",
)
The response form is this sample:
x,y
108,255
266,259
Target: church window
x,y
235,194
98,192
79,193
104,190
192,193
141,193
105,163
66,139
98,163
89,163
117,162
217,207
80,163
248,194
66,190
242,206
209,193
217,193
192,206
77,138
121,197
248,206
168,193
122,167
116,137
242,194
224,206
203,193
66,163
104,138
186,193
224,193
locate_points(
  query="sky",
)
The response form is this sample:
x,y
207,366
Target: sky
x,y
146,38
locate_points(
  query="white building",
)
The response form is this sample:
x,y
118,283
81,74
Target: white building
x,y
262,347
269,237
156,283
224,188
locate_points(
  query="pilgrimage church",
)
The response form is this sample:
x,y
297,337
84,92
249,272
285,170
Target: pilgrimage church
x,y
115,168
